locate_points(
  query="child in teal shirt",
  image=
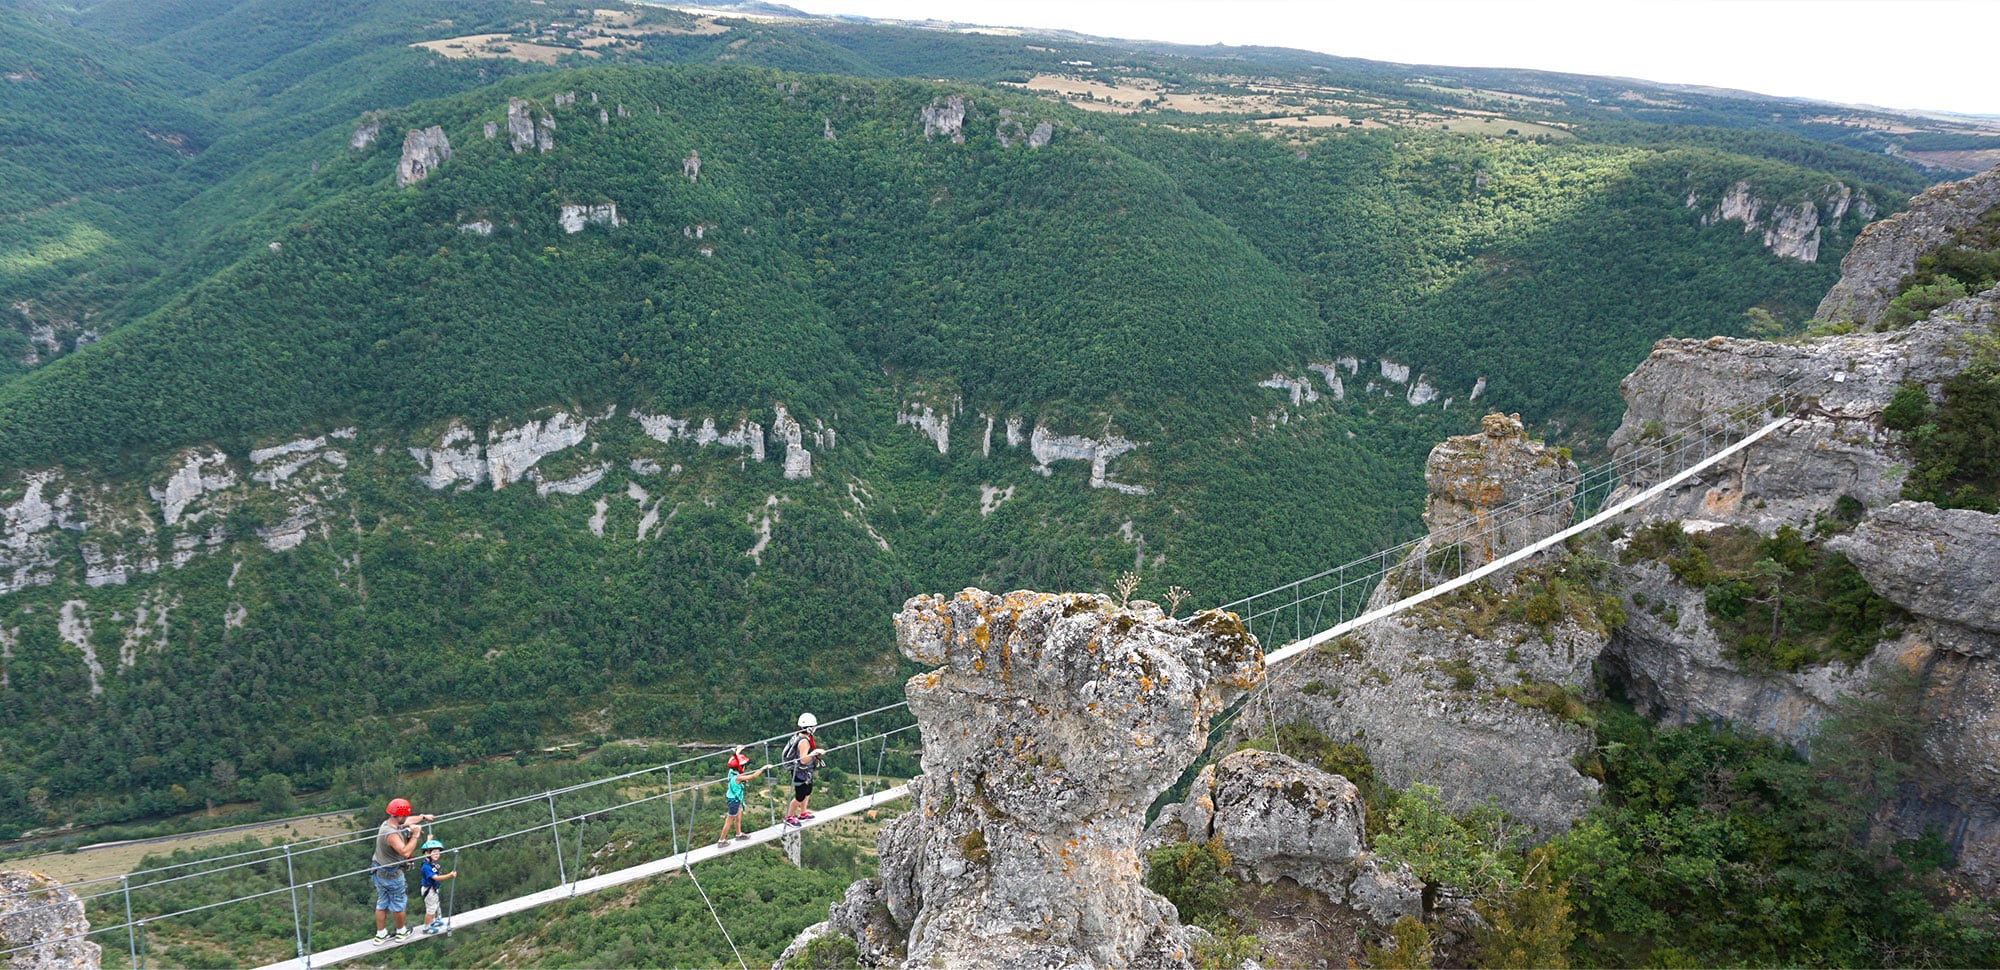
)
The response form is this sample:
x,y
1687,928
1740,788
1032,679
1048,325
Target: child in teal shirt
x,y
733,796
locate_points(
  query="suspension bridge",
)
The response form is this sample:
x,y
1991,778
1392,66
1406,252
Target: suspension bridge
x,y
1301,615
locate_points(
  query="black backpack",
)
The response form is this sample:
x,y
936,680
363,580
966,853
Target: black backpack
x,y
801,773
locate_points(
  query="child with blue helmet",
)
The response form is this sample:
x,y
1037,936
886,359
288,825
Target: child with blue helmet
x,y
433,851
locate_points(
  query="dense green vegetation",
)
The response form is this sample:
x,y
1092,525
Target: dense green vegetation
x,y
189,194
1710,849
1779,601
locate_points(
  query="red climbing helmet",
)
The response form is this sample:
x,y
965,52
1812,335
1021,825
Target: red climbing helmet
x,y
738,761
399,807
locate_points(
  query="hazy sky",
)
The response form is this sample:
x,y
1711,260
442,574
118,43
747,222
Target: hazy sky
x,y
1912,54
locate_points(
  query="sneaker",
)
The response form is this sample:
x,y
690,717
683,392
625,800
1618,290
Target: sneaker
x,y
381,937
402,933
722,841
805,815
437,924
792,820
742,836
428,930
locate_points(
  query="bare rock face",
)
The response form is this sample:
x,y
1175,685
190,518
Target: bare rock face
x,y
944,117
1789,231
365,132
1048,447
1471,476
1941,564
1887,251
1050,725
575,216
37,909
798,461
1013,129
1838,447
928,423
423,152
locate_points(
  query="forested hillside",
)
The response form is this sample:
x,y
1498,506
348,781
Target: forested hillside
x,y
320,469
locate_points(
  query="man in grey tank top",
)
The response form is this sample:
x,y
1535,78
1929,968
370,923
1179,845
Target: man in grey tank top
x,y
396,841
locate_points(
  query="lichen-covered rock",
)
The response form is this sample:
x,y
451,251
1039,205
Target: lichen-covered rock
x,y
1478,483
1052,722
38,911
1276,817
861,915
423,151
1887,251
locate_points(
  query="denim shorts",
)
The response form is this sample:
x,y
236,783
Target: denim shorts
x,y
734,806
392,891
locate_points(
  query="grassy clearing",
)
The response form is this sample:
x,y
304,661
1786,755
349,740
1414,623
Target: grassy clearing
x,y
70,867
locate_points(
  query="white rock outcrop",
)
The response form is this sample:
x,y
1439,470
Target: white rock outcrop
x,y
1331,373
528,129
423,151
456,458
666,429
575,484
27,540
946,117
575,216
1048,446
931,424
511,453
203,472
785,428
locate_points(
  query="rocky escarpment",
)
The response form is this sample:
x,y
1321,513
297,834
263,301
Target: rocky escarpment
x,y
1938,565
1943,566
1050,725
1887,251
423,151
1790,231
1397,380
1455,693
1836,447
35,909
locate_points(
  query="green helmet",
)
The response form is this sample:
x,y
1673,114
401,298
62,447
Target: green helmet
x,y
433,844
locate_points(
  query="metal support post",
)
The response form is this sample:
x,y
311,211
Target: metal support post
x,y
131,938
673,817
292,882
555,831
580,821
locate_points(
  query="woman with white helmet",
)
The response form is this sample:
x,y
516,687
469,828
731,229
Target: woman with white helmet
x,y
803,755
